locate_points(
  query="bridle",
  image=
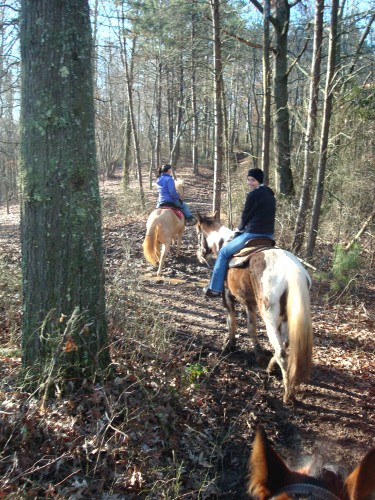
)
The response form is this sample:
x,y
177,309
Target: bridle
x,y
306,491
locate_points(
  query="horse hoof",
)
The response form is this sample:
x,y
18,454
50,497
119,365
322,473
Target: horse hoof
x,y
262,360
229,347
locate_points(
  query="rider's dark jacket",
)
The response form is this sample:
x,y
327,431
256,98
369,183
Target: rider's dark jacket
x,y
258,215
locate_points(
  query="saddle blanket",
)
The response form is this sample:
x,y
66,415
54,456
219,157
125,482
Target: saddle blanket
x,y
251,247
177,211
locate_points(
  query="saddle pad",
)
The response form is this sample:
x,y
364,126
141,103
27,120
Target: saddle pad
x,y
177,211
257,242
253,246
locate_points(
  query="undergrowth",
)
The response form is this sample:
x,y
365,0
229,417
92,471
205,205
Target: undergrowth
x,y
116,439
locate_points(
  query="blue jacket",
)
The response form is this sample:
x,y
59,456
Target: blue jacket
x,y
167,190
258,215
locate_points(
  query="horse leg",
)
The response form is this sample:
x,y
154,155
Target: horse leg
x,y
164,252
271,319
231,323
251,322
178,241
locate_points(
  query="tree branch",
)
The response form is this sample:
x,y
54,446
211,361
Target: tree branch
x,y
297,58
361,231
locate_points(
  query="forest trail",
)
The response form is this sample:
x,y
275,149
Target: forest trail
x,y
210,428
334,412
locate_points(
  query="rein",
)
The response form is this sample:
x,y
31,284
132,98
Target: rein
x,y
306,491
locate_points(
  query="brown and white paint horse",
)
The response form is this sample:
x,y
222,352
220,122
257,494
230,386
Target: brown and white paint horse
x,y
271,478
278,284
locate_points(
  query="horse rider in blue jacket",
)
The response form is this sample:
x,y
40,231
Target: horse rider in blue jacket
x,y
168,195
257,221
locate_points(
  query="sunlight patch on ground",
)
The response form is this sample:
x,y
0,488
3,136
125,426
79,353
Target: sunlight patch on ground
x,y
173,281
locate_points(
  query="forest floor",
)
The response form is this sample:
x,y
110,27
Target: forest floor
x,y
178,420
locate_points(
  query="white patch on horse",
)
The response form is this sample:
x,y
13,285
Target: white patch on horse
x,y
216,239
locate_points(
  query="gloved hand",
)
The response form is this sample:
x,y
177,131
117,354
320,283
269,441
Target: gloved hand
x,y
237,233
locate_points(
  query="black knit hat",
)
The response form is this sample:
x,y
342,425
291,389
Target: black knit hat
x,y
257,173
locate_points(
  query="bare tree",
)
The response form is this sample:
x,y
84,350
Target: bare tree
x,y
218,82
304,201
327,112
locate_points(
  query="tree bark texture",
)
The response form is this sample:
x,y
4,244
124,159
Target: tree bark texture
x,y
61,241
280,88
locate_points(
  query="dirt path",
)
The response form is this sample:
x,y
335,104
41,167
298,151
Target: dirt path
x,y
334,412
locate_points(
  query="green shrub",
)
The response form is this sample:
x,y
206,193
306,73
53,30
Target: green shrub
x,y
345,265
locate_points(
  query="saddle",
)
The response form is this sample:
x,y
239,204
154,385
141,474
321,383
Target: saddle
x,y
252,246
177,211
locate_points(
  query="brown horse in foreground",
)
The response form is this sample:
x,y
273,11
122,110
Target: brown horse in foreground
x,y
278,284
270,477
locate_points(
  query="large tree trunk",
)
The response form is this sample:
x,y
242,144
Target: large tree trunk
x,y
62,261
280,88
218,78
327,111
304,201
280,22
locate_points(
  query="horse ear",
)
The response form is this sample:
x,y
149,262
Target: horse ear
x,y
267,471
199,217
360,484
217,215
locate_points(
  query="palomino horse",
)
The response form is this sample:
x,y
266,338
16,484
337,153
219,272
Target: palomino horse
x,y
270,477
278,284
163,227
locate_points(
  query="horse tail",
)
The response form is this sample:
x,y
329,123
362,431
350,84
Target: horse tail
x,y
299,328
150,245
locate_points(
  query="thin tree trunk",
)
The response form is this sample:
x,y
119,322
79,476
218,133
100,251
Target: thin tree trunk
x,y
194,127
327,112
361,42
304,201
175,152
218,78
127,151
266,92
129,88
158,118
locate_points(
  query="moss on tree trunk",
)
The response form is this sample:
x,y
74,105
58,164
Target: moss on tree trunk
x,y
61,239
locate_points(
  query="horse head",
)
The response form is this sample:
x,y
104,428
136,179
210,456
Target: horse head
x,y
271,478
211,237
180,187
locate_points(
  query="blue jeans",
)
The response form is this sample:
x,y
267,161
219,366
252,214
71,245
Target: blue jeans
x,y
225,254
185,209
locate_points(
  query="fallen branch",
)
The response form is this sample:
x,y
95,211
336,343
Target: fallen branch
x,y
361,231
